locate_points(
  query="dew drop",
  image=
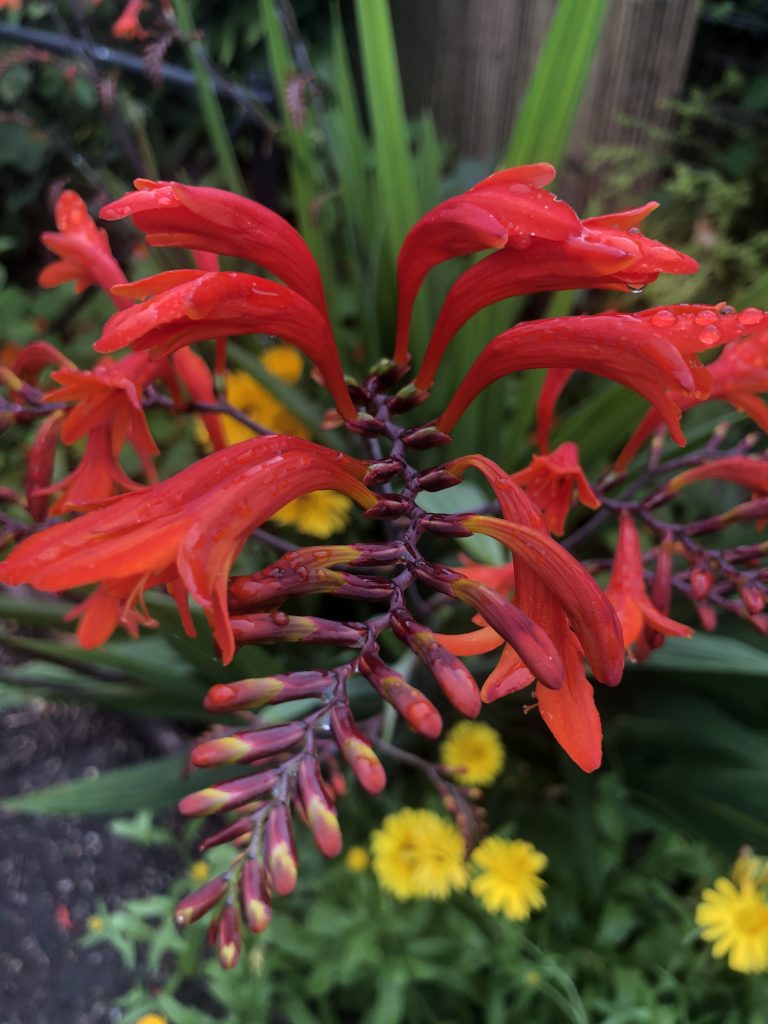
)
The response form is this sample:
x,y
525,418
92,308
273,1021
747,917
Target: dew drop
x,y
706,316
664,318
280,618
635,231
727,311
750,317
163,201
638,291
709,335
519,242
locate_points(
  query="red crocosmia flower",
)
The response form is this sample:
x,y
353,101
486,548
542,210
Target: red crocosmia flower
x,y
576,615
128,26
550,481
98,475
618,346
85,256
508,208
627,592
739,376
191,526
750,471
598,257
216,221
107,410
110,393
196,377
190,305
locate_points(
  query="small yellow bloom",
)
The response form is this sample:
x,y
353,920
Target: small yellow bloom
x,y
152,1018
418,854
357,859
319,513
474,752
284,362
734,918
532,978
199,871
95,923
509,881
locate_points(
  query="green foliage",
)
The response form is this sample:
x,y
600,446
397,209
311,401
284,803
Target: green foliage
x,y
616,944
713,192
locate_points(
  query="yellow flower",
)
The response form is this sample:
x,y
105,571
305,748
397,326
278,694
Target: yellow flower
x,y
357,859
152,1018
474,752
734,918
199,871
318,514
417,854
284,362
95,923
509,881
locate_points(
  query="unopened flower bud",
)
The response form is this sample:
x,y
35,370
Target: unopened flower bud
x,y
255,693
425,437
390,506
417,710
196,904
382,472
237,830
229,940
242,747
366,425
453,677
226,795
320,812
438,479
701,582
707,616
357,750
280,851
407,397
254,897
277,627
40,467
445,526
752,598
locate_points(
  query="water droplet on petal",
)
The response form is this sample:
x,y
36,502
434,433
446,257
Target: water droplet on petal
x,y
709,335
519,242
635,231
706,316
664,318
750,317
638,291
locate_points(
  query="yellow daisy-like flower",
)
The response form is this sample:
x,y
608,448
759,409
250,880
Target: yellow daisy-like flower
x,y
474,753
418,854
734,918
152,1018
199,871
509,880
318,514
357,859
95,923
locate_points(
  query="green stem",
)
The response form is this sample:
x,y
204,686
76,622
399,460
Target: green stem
x,y
210,108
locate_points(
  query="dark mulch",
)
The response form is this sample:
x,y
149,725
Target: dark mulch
x,y
54,870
